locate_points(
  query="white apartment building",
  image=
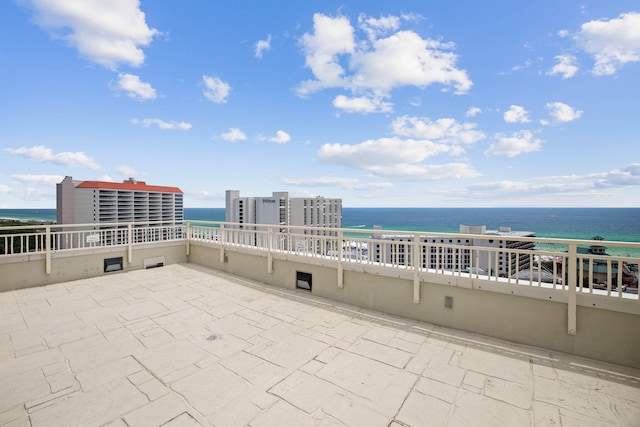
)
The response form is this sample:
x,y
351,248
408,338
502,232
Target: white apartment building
x,y
458,254
84,202
280,209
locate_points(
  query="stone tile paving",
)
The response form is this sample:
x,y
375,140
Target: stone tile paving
x,y
186,346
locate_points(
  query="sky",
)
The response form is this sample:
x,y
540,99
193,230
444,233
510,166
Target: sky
x,y
382,104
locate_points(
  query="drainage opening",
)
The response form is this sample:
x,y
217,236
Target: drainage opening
x,y
303,280
154,262
212,337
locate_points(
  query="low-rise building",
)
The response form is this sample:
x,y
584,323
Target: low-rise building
x,y
465,253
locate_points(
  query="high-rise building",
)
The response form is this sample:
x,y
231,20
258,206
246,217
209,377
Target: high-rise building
x,y
280,209
84,202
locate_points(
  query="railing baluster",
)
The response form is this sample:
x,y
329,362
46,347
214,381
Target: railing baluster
x,y
416,269
48,250
572,260
269,251
609,280
411,251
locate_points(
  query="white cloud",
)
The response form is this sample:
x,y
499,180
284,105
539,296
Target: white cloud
x,y
331,37
281,137
473,111
445,130
38,179
396,158
161,124
4,189
203,195
375,27
362,104
135,88
569,185
406,59
370,186
612,43
108,33
233,135
106,178
31,194
376,65
334,181
566,66
262,45
523,189
514,144
216,90
127,170
516,114
380,152
43,154
562,112
426,172
629,175
525,64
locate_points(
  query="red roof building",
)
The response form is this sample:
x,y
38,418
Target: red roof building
x,y
130,184
84,202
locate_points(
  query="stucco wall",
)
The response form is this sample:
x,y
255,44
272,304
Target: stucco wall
x,y
601,334
19,272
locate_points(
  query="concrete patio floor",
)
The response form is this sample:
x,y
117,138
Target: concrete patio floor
x,y
183,345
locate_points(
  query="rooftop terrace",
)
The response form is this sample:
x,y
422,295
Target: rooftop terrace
x,y
184,345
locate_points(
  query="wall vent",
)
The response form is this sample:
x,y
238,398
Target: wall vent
x,y
154,262
303,280
112,264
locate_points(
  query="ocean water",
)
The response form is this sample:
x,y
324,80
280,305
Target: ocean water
x,y
613,224
45,215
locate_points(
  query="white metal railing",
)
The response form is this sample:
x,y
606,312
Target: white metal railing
x,y
51,239
529,261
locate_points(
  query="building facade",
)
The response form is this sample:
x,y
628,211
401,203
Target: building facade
x,y
460,254
280,209
85,202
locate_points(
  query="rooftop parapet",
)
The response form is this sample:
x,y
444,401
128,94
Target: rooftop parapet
x,y
442,278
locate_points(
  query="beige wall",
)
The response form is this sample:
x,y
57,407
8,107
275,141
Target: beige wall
x,y
601,334
28,271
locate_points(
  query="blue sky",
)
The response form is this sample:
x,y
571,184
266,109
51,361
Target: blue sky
x,y
418,104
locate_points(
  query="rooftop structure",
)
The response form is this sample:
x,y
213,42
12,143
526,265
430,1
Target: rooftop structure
x,y
206,324
189,346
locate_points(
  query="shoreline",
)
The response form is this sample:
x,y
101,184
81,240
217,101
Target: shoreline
x,y
26,221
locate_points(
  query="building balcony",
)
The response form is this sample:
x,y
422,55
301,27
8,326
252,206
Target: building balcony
x,y
267,327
